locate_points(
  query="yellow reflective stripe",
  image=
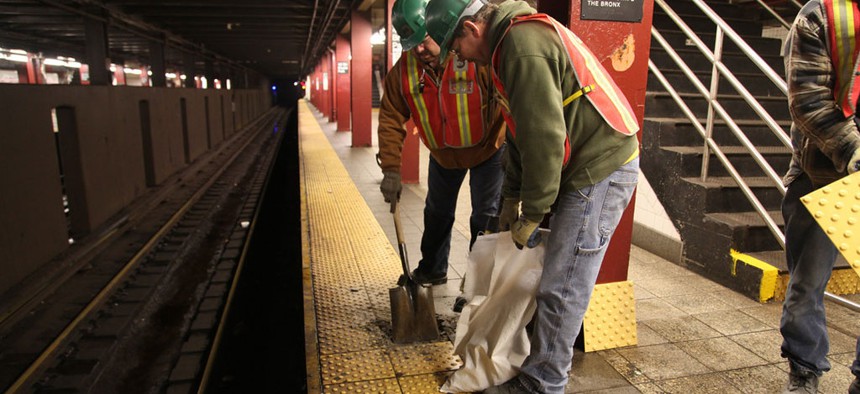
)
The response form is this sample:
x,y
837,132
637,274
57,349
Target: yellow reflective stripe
x,y
843,16
633,156
578,94
420,105
463,111
626,116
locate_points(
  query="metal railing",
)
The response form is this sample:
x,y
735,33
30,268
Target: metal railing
x,y
719,69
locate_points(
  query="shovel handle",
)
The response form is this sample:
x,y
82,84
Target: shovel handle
x,y
401,244
395,210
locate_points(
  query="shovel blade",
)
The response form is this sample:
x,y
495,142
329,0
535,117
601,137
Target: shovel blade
x,y
413,315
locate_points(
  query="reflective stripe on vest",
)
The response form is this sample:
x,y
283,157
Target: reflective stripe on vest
x,y
448,117
844,18
604,94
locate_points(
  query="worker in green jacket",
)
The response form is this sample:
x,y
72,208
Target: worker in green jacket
x,y
572,153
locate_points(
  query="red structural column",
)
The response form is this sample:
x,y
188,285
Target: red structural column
x,y
332,76
34,70
409,157
360,75
329,76
623,48
119,75
343,89
313,88
325,83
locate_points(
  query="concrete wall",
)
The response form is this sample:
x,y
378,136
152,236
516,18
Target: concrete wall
x,y
103,156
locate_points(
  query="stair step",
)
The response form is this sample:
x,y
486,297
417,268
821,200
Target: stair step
x,y
776,258
723,195
727,182
739,122
662,131
723,8
694,59
730,150
702,24
662,104
744,219
754,83
762,45
690,160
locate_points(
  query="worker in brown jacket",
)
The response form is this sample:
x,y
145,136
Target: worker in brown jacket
x,y
457,119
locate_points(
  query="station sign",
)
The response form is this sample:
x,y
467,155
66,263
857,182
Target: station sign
x,y
612,10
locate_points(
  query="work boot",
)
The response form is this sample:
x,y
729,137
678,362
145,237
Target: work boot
x,y
513,386
801,382
422,279
459,303
854,388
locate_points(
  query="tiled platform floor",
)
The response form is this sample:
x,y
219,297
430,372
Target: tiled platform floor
x,y
695,336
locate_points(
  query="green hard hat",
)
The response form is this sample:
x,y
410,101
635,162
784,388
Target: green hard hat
x,y
444,15
407,17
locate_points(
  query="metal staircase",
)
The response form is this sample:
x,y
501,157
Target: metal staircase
x,y
715,149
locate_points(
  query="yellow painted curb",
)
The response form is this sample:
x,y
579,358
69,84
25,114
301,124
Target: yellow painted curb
x,y
769,273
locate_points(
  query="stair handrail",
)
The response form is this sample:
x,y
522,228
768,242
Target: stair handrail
x,y
714,106
712,144
724,29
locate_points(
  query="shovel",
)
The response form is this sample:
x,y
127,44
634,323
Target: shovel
x,y
413,316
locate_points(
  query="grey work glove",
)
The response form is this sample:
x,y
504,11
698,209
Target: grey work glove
x,y
854,163
390,186
509,213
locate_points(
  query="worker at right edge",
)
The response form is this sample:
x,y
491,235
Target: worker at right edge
x,y
821,62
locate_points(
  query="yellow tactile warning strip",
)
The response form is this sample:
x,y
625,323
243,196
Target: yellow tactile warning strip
x,y
836,208
843,281
769,273
610,321
352,264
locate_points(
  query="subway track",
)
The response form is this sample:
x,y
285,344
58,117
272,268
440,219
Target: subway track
x,y
136,307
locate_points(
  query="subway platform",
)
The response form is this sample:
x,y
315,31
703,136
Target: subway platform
x,y
693,335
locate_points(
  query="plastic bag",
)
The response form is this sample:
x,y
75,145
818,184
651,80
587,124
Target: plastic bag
x,y
491,337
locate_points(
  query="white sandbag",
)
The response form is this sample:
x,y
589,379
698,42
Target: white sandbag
x,y
491,337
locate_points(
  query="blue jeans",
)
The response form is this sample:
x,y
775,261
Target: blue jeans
x,y
443,187
581,227
810,256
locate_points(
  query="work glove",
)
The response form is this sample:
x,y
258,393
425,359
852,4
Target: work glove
x,y
390,186
854,163
525,232
509,213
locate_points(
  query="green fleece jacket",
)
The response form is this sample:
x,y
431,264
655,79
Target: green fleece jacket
x,y
537,76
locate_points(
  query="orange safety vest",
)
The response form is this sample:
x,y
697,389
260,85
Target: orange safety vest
x,y
842,27
595,83
446,117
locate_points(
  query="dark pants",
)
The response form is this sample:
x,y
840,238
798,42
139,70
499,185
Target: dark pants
x,y
443,187
810,256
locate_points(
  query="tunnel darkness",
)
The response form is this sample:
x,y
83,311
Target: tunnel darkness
x,y
264,347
